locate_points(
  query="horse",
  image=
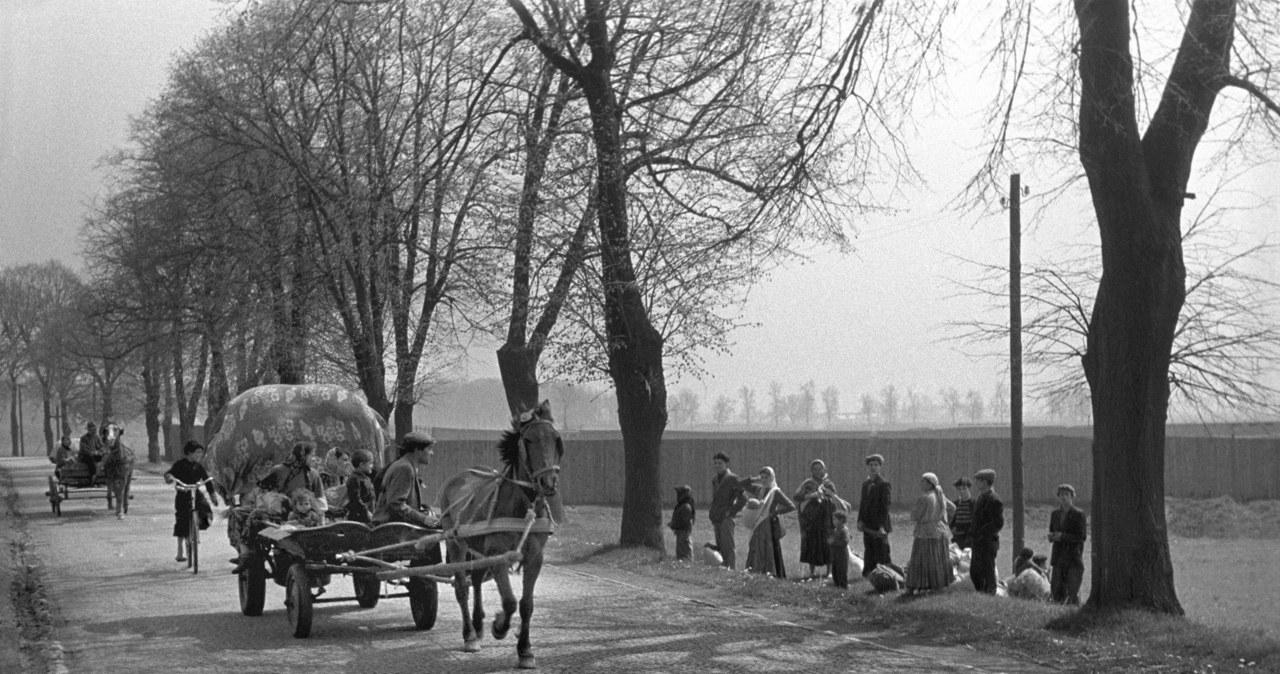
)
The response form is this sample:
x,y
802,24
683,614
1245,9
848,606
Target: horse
x,y
483,513
117,468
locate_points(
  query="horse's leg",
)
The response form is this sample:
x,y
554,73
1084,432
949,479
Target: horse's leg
x,y
477,614
532,567
502,621
469,638
124,490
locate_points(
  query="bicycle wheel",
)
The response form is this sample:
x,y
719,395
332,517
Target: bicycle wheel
x,y
193,541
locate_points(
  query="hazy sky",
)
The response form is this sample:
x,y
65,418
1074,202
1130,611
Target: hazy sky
x,y
72,71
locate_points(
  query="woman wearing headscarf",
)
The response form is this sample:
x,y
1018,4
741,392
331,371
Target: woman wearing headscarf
x,y
764,554
817,500
930,566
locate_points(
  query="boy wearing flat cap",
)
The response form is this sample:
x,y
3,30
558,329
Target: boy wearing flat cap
x,y
873,516
1068,529
984,534
401,498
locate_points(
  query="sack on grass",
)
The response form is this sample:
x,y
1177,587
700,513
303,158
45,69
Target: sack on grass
x,y
1029,584
885,579
855,564
711,555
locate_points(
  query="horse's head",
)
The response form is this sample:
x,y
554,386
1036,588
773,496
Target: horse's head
x,y
111,433
533,448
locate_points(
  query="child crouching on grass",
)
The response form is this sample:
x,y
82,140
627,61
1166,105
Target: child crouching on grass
x,y
839,543
682,522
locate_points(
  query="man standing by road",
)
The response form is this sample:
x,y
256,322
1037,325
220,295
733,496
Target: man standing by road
x,y
401,497
984,535
726,501
1068,529
873,516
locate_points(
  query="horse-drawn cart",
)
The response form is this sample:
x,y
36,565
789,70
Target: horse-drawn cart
x,y
75,479
303,560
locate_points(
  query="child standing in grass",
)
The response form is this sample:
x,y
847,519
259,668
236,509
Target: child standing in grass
x,y
839,544
682,522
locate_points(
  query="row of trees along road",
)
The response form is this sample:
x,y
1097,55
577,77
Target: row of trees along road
x,y
598,181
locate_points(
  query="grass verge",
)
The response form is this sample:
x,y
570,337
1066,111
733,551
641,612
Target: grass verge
x,y
1073,640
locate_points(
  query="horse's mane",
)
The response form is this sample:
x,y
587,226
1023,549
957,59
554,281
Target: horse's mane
x,y
509,446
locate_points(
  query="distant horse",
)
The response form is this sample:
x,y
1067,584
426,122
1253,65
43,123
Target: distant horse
x,y
117,468
486,510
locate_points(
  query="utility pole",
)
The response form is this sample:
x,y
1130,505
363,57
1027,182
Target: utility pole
x,y
1015,361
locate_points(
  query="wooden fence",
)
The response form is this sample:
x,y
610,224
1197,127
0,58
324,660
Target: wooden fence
x,y
592,468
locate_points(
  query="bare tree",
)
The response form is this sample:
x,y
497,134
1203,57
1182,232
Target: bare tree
x,y
722,412
777,403
831,404
953,403
748,397
889,404
869,406
974,406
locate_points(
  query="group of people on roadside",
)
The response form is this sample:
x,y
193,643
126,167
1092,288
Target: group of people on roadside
x,y
969,522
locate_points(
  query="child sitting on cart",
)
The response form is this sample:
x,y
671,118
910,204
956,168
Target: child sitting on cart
x,y
304,509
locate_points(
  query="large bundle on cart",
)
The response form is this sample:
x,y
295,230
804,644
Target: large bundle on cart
x,y
260,426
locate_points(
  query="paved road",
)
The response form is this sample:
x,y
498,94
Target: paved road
x,y
123,605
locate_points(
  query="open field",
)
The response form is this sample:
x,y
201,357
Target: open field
x,y
1229,587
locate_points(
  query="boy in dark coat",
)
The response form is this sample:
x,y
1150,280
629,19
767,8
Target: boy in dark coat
x,y
1068,529
682,522
984,536
360,497
873,516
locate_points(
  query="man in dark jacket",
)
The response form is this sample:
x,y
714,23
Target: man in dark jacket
x,y
726,501
90,448
984,535
1068,529
401,497
873,517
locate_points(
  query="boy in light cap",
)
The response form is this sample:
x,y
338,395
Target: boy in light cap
x,y
984,534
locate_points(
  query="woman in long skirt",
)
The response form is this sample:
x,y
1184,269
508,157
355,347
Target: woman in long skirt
x,y
764,554
930,565
817,500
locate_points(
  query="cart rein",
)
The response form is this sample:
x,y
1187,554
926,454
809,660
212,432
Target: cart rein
x,y
430,539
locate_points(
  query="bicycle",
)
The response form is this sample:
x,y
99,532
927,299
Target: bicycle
x,y
193,527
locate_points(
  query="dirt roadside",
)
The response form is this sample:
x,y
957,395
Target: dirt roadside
x,y
27,642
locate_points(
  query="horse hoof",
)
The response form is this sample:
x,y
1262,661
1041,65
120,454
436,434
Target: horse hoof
x,y
500,631
527,662
471,646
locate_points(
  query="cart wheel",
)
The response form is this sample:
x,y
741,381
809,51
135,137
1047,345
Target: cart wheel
x,y
297,598
253,588
424,599
193,537
368,589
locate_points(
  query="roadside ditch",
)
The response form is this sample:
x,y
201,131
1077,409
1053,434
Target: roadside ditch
x,y
32,646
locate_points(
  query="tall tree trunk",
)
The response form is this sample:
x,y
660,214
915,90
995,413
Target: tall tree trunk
x,y
166,428
15,430
635,346
518,367
64,420
46,410
219,391
151,407
1138,183
108,391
